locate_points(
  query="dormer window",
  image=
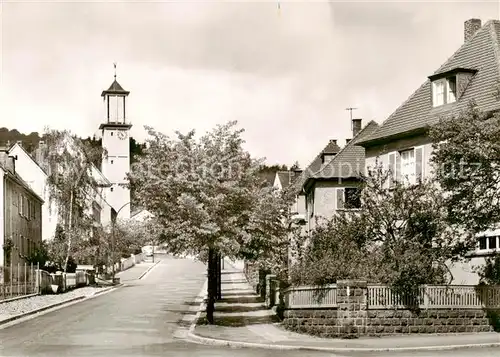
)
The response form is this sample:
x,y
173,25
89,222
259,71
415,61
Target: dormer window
x,y
449,86
444,91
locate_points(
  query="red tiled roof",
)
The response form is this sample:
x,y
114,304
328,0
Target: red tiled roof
x,y
480,53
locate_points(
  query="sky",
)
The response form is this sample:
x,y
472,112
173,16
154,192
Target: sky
x,y
287,76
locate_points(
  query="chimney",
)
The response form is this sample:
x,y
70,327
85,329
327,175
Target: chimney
x,y
294,172
12,163
9,162
356,127
471,26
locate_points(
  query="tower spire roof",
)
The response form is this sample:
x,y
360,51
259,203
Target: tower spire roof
x,y
115,87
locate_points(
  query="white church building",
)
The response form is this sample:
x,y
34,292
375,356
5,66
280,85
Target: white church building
x,y
112,197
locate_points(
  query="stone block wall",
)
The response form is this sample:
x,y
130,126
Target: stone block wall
x,y
427,321
352,318
316,322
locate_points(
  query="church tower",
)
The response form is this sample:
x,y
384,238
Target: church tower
x,y
116,142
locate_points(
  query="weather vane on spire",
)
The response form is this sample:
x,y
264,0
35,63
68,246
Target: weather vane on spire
x,y
114,65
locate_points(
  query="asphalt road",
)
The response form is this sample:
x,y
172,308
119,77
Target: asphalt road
x,y
142,319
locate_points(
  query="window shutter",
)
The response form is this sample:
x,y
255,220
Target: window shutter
x,y
392,168
419,163
398,167
434,93
340,198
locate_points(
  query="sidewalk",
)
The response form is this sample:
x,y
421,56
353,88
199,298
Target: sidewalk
x,y
243,320
137,271
16,309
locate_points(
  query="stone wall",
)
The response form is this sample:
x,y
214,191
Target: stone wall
x,y
352,318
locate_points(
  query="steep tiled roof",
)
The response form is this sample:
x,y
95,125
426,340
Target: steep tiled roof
x,y
285,178
331,148
350,161
314,166
14,176
480,53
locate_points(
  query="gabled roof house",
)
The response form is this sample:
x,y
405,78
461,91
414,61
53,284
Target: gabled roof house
x,y
335,184
472,73
296,186
20,214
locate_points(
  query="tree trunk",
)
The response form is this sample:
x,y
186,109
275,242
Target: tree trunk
x,y
70,218
70,228
211,291
219,276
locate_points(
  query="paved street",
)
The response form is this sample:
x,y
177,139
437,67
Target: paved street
x,y
142,319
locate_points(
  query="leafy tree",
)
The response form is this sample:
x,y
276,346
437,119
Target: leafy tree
x,y
136,150
268,232
409,223
490,272
39,255
399,237
338,248
205,194
71,186
267,173
466,158
132,235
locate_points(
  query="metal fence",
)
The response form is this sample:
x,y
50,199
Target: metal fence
x,y
18,280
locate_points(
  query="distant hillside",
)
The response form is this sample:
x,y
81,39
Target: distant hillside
x,y
268,173
30,142
9,137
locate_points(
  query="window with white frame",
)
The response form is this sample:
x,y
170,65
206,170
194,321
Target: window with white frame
x,y
489,243
408,165
452,90
444,91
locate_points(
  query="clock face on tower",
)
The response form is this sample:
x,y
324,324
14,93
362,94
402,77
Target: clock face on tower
x,y
122,134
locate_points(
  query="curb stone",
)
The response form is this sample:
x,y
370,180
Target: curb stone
x,y
195,338
48,307
149,269
103,290
240,344
32,312
201,296
18,298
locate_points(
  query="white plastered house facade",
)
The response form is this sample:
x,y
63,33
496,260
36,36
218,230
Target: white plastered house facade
x,y
36,177
112,193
